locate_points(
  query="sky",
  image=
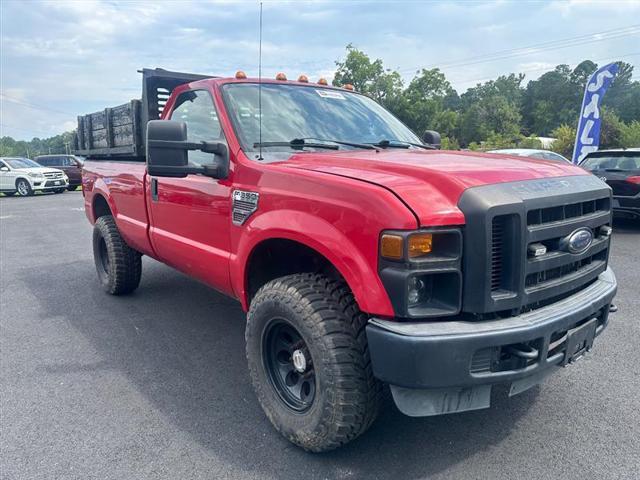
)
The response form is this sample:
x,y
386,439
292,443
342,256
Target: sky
x,y
59,59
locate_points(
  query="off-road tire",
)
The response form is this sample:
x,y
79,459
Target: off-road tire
x,y
119,266
25,190
347,396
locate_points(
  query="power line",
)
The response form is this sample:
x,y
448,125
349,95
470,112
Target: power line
x,y
536,48
608,59
33,105
4,125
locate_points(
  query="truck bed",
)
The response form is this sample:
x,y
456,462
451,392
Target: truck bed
x,y
126,193
118,133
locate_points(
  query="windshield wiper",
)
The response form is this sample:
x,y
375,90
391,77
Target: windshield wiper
x,y
401,144
296,143
366,146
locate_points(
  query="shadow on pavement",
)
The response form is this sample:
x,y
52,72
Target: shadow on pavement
x,y
182,346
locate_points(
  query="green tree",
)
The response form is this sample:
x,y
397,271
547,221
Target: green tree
x,y
630,135
423,103
368,77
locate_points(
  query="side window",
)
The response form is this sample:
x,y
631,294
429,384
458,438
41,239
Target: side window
x,y
196,108
66,162
43,161
2,164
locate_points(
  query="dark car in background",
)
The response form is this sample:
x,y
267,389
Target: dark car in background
x,y
621,170
70,164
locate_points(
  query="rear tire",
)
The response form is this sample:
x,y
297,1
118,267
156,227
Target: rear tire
x,y
23,188
119,266
321,319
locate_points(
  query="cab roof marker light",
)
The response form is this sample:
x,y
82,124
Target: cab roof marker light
x,y
322,81
348,86
303,79
281,77
240,75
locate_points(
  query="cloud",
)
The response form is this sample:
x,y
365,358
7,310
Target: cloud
x,y
81,56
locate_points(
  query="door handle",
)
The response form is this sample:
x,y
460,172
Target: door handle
x,y
154,189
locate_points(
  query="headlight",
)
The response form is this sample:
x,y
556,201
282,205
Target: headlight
x,y
36,175
421,271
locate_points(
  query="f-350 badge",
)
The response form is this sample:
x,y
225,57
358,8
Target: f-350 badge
x,y
244,204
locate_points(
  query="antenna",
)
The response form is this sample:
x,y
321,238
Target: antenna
x,y
260,89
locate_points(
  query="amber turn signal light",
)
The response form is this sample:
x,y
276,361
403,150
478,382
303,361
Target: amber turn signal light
x,y
391,246
420,244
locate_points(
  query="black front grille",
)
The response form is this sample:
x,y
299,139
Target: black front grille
x,y
504,220
544,277
539,216
497,251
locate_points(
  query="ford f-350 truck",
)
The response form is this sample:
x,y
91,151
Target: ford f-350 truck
x,y
362,255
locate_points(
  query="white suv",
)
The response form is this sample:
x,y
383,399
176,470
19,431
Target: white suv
x,y
24,176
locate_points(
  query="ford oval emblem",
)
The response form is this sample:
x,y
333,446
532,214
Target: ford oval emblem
x,y
579,240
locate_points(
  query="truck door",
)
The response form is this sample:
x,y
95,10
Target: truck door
x,y
190,216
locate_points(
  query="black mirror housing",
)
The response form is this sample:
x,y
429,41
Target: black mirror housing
x,y
165,154
168,150
431,137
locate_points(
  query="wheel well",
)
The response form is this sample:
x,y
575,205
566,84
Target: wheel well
x,y
100,207
279,257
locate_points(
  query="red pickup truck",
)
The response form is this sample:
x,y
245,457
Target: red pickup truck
x,y
362,255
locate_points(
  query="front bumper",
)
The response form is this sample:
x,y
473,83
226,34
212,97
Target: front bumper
x,y
49,184
626,206
464,358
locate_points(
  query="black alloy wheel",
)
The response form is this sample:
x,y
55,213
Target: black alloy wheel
x,y
289,365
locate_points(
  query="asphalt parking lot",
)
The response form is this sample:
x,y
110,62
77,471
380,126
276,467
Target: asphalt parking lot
x,y
155,385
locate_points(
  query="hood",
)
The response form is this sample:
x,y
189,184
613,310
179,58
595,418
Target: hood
x,y
41,170
430,182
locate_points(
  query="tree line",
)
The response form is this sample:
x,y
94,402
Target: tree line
x,y
499,113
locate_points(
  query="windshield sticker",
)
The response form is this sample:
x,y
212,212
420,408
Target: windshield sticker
x,y
330,94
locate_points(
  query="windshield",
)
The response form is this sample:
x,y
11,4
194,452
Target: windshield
x,y
612,162
293,112
22,163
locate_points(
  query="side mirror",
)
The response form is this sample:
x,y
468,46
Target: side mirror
x,y
4,169
431,137
168,150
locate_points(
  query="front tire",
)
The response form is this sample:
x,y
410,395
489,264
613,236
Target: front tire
x,y
309,361
23,188
119,266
